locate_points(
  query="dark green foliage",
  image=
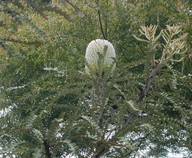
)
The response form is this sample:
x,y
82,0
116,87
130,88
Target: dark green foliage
x,y
51,108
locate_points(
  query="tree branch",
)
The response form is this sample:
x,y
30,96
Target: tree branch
x,y
149,81
141,141
77,10
58,11
9,50
23,42
101,149
47,148
100,152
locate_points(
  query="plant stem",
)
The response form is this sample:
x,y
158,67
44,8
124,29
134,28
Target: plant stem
x,y
101,100
100,91
101,26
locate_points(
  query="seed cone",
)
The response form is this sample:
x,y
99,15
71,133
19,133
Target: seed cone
x,y
96,49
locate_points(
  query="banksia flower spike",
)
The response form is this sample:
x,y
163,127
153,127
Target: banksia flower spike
x,y
100,55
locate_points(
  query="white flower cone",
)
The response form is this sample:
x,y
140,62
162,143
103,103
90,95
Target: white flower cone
x,y
91,56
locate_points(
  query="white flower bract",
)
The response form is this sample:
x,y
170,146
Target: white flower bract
x,y
91,56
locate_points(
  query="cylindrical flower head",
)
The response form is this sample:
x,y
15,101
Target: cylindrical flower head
x,y
102,47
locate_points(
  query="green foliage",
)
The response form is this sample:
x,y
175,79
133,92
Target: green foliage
x,y
49,106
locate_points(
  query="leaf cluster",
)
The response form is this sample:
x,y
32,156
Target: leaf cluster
x,y
49,106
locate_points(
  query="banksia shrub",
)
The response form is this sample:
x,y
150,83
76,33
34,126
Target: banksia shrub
x,y
100,55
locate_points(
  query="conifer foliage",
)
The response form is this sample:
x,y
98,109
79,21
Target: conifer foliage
x,y
134,100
